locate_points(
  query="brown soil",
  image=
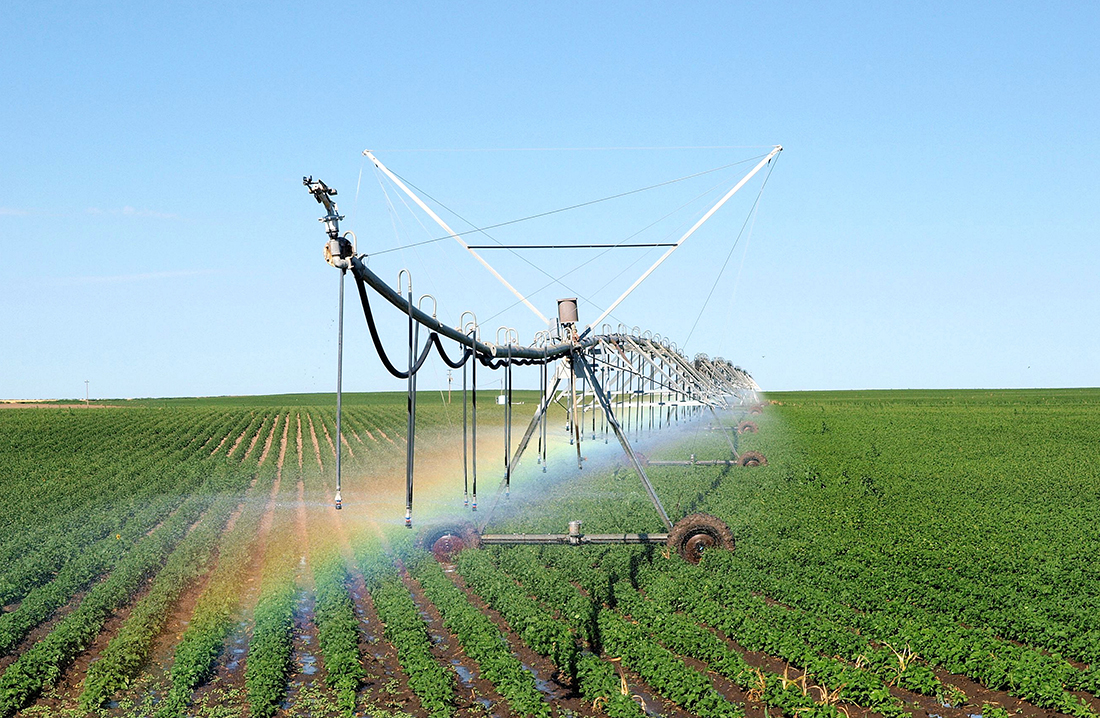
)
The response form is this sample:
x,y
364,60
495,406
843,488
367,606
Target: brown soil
x,y
384,682
651,701
448,652
328,438
316,446
344,441
555,687
923,706
67,690
220,443
298,418
270,437
228,675
43,629
307,669
977,694
256,437
237,443
920,706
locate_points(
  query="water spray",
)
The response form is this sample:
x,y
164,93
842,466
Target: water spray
x,y
632,374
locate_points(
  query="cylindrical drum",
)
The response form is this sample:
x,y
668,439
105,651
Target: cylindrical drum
x,y
567,311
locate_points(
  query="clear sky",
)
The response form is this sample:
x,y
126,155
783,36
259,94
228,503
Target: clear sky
x,y
932,221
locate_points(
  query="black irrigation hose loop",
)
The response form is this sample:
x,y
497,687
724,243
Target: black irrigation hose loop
x,y
443,355
378,341
374,331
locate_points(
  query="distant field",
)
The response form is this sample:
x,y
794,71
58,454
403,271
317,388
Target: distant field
x,y
930,553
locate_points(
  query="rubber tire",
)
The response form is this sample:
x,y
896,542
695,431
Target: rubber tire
x,y
694,524
752,458
747,427
757,409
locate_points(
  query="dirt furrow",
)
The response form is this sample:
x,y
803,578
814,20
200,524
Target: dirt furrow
x,y
328,438
256,437
298,418
221,443
384,682
316,446
344,441
475,695
270,437
237,443
556,688
228,674
307,673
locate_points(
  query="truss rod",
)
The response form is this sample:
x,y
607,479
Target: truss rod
x,y
697,225
420,203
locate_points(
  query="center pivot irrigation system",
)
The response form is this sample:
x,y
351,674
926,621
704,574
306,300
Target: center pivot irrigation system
x,y
626,381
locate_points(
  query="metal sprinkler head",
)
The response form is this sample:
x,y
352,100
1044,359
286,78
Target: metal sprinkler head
x,y
339,501
408,520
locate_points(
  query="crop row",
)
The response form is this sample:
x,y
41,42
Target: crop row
x,y
612,579
143,479
40,602
621,639
43,663
124,656
338,631
53,459
405,629
593,678
268,661
1000,665
480,640
682,635
212,619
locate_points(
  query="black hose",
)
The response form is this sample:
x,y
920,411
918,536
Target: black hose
x,y
433,339
443,355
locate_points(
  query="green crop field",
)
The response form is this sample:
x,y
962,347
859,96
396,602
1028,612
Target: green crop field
x,y
923,553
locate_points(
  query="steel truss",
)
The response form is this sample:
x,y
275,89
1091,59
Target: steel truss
x,y
618,383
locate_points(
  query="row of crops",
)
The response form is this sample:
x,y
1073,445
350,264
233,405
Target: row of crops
x,y
900,554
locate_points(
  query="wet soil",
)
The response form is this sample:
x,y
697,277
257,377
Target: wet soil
x,y
557,688
475,695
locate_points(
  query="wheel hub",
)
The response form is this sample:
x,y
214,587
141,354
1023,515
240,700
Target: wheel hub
x,y
447,546
694,546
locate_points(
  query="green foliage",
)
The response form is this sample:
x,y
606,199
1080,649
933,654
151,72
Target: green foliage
x,y
338,632
406,630
481,641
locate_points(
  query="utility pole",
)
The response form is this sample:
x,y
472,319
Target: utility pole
x,y
87,401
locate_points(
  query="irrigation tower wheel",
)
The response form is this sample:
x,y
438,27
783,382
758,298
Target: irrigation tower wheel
x,y
445,541
757,409
747,427
696,533
752,458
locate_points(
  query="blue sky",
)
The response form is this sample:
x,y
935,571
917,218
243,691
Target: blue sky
x,y
932,221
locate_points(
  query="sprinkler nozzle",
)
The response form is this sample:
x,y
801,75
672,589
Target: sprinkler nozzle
x,y
339,501
408,519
